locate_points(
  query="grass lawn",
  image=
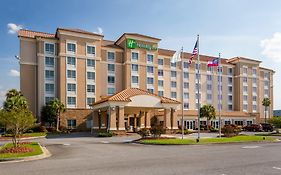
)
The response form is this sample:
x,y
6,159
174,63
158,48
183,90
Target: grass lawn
x,y
268,134
206,140
34,145
35,134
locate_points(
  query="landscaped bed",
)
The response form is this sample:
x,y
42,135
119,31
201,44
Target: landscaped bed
x,y
234,139
35,134
24,149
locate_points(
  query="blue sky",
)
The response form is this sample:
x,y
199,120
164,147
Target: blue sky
x,y
234,27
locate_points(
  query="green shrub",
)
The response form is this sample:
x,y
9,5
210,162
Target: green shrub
x,y
105,134
37,128
231,130
157,130
144,132
185,132
212,129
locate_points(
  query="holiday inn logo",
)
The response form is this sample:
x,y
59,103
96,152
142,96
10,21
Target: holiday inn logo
x,y
132,44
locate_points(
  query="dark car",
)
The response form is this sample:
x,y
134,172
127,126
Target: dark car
x,y
253,127
2,131
267,127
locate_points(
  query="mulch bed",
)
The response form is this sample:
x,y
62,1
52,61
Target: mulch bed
x,y
19,149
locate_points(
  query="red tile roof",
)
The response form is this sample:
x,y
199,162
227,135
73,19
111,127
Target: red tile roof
x,y
125,95
33,34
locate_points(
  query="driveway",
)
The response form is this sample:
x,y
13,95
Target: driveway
x,y
104,156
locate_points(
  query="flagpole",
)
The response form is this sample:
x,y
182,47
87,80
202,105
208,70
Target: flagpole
x,y
182,122
220,99
198,100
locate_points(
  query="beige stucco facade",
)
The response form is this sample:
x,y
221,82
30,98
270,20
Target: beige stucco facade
x,y
41,81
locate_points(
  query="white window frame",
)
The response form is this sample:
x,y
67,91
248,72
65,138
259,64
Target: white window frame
x,y
90,45
71,42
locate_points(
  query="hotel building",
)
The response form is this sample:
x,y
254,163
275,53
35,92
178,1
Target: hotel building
x,y
126,84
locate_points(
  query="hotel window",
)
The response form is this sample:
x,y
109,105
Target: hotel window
x,y
135,56
229,107
198,86
198,76
71,124
173,64
161,61
185,85
209,77
254,89
174,95
110,56
71,61
186,95
185,65
49,61
254,71
150,90
49,74
91,75
219,68
245,79
230,71
160,83
71,100
135,79
91,63
229,80
173,73
238,122
160,72
111,67
220,87
245,70
266,75
230,98
49,88
173,84
255,98
245,89
245,107
149,69
230,89
197,66
91,50
161,93
71,47
110,91
254,108
111,79
48,99
220,79
209,97
49,48
185,105
91,88
254,80
266,92
209,87
90,101
227,122
149,58
266,83
209,68
135,67
186,75
149,80
71,87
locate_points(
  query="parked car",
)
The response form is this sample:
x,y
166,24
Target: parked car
x,y
253,127
267,127
2,131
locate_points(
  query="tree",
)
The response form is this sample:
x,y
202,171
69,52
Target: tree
x,y
208,112
58,107
266,103
276,121
15,101
48,115
18,121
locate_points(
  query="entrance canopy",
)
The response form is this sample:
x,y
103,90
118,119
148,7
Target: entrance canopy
x,y
135,97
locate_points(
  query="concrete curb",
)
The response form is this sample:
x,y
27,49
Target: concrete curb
x,y
24,138
44,155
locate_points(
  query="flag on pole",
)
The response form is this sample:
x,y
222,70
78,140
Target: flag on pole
x,y
194,53
176,57
214,62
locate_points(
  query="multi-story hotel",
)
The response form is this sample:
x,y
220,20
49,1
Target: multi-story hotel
x,y
129,83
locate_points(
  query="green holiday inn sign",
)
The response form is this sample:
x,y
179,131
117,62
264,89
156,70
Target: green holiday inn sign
x,y
132,44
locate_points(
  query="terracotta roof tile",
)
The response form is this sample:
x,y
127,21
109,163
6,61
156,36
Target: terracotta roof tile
x,y
125,95
33,34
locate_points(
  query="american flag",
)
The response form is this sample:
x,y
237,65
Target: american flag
x,y
194,53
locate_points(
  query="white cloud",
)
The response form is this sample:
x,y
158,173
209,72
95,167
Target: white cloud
x,y
14,28
272,47
14,73
100,31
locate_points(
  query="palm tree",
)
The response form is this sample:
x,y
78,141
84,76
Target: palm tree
x,y
59,108
15,101
208,111
265,102
13,93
